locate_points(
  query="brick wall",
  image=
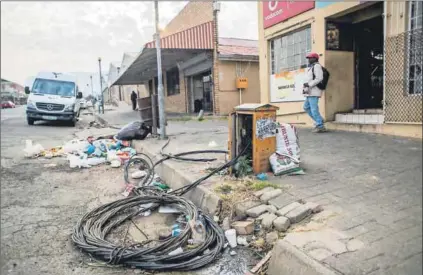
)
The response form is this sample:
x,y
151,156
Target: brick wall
x,y
176,103
193,14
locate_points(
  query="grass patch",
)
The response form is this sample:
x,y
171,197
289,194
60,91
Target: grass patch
x,y
258,185
224,189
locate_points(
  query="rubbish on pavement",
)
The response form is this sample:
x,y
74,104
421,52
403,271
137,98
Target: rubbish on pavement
x,y
262,262
160,185
138,174
166,209
177,251
75,146
200,115
133,130
242,241
32,150
128,190
232,253
212,143
48,155
262,176
115,163
198,230
286,159
176,230
231,237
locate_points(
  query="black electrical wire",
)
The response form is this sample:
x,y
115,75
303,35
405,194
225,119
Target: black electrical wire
x,y
92,229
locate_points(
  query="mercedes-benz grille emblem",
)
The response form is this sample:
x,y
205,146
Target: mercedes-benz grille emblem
x,y
49,107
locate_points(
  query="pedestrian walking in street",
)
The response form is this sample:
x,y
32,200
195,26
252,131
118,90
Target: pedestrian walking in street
x,y
134,100
312,92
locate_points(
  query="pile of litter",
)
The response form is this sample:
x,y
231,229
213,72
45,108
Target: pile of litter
x,y
86,153
115,150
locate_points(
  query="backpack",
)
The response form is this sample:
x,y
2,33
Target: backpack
x,y
322,85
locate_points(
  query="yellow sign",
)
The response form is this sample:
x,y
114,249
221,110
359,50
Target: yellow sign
x,y
287,86
242,83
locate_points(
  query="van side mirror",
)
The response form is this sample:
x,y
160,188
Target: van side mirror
x,y
27,91
79,95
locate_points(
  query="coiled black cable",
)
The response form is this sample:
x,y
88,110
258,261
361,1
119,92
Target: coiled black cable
x,y
91,230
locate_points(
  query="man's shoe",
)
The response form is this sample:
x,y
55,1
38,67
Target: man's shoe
x,y
319,130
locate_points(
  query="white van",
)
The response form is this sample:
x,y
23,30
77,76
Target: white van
x,y
53,96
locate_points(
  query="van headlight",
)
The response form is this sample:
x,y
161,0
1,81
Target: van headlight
x,y
30,104
70,107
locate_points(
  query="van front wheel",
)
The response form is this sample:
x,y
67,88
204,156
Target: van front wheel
x,y
30,121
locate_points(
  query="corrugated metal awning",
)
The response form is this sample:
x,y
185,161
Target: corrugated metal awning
x,y
198,37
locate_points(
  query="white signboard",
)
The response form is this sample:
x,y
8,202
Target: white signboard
x,y
287,86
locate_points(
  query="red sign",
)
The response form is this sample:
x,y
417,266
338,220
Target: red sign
x,y
278,11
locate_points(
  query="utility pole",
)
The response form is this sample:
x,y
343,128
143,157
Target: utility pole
x,y
120,92
159,76
92,88
101,86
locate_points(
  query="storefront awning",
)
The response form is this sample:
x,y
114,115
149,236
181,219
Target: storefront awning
x,y
144,67
175,49
198,37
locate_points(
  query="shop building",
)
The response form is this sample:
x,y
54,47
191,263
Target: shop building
x,y
200,70
373,51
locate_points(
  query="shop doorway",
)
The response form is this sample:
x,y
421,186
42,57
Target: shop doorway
x,y
201,93
368,49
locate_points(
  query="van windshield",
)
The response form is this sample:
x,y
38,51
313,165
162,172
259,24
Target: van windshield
x,y
53,87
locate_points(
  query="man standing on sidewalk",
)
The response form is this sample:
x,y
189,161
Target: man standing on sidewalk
x,y
312,93
134,100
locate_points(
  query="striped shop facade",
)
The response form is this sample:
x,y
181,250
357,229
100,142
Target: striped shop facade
x,y
198,37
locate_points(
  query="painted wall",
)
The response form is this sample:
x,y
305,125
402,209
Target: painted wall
x,y
293,112
339,96
229,94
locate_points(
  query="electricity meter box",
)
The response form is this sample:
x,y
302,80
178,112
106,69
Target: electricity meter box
x,y
253,126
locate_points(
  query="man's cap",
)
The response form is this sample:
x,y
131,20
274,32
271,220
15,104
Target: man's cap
x,y
312,55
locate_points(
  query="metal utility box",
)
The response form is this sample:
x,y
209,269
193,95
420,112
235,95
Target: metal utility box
x,y
253,125
242,83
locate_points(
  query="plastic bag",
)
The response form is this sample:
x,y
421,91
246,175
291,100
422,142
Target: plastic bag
x,y
75,146
286,159
84,162
284,164
32,150
287,142
133,130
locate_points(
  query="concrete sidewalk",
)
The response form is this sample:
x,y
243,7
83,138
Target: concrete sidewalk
x,y
369,185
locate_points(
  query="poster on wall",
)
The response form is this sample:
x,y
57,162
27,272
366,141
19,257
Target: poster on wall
x,y
278,11
287,86
332,36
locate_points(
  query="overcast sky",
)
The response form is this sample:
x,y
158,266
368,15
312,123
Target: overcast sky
x,y
70,36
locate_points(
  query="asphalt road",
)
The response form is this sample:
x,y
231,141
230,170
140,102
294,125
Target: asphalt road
x,y
42,200
15,130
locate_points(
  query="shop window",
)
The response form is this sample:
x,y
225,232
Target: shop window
x,y
172,81
415,59
288,52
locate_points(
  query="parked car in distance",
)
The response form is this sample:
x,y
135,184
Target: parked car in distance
x,y
7,104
